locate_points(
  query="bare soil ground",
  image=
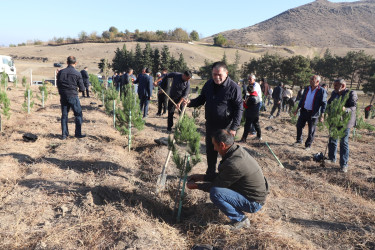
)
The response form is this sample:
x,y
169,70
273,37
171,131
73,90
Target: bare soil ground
x,y
92,193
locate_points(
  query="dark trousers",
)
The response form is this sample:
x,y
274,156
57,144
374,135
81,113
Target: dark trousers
x,y
210,153
305,116
276,105
285,103
251,120
143,103
162,103
171,109
66,104
87,91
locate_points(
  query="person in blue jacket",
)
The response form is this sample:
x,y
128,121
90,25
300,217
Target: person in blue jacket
x,y
312,107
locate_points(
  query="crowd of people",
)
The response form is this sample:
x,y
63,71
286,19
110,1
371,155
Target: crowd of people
x,y
237,184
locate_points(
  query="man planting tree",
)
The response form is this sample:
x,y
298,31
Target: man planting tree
x,y
239,186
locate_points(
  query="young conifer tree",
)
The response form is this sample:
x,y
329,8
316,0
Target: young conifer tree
x,y
4,107
336,118
129,102
186,133
110,95
44,89
24,104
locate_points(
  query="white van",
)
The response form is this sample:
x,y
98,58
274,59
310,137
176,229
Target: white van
x,y
7,65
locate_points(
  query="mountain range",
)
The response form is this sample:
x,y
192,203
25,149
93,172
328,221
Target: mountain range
x,y
318,24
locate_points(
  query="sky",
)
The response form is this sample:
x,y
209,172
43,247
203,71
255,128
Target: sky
x,y
30,20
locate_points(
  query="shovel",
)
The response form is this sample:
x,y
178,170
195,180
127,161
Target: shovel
x,y
162,177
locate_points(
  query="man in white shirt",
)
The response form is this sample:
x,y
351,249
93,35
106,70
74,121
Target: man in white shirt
x,y
312,107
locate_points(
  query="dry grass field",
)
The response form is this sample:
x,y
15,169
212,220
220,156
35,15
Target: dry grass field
x,y
92,193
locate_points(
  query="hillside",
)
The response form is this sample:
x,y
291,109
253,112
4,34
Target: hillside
x,y
40,58
92,193
317,24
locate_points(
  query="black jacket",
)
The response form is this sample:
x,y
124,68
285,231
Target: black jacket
x,y
277,93
179,87
85,77
240,172
68,80
223,109
145,86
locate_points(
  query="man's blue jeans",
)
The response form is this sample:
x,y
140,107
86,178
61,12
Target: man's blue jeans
x,y
66,104
344,149
233,204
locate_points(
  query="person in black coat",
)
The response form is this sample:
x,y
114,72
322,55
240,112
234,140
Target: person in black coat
x,y
223,102
251,113
277,98
145,91
86,82
68,80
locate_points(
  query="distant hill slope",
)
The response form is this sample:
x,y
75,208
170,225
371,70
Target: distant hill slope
x,y
318,24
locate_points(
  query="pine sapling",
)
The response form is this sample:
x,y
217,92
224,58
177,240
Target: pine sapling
x,y
4,80
25,106
186,134
129,102
24,80
44,89
110,95
4,107
293,116
336,119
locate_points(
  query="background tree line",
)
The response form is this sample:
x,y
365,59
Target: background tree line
x,y
113,34
148,57
355,67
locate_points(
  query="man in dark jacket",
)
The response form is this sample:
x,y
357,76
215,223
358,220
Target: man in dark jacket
x,y
86,82
180,89
277,97
223,108
251,113
340,90
312,105
68,80
125,80
145,87
162,83
239,186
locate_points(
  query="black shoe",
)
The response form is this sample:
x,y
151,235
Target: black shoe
x,y
80,136
243,140
158,114
64,137
169,129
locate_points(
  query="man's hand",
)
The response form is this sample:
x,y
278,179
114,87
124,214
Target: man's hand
x,y
321,119
185,101
232,132
295,112
192,185
196,178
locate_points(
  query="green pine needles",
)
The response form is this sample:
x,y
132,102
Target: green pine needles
x,y
44,89
4,107
294,117
4,80
129,102
335,118
25,103
186,133
110,95
97,87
